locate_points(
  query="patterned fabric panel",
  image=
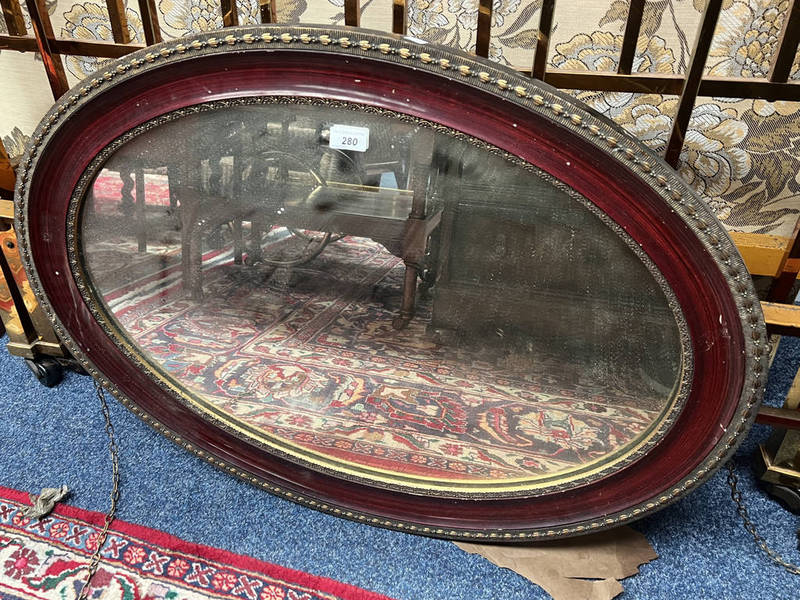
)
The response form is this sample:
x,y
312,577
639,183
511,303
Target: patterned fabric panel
x,y
739,154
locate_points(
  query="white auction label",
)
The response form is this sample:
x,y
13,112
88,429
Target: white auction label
x,y
348,137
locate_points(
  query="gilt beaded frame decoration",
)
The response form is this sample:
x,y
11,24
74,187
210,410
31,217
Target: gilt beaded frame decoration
x,y
392,282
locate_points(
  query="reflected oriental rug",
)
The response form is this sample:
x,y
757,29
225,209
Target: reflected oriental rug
x,y
317,364
47,559
307,359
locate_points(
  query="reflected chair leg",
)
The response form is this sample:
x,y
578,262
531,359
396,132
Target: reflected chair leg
x,y
185,251
174,192
415,236
141,212
430,265
254,252
238,244
193,276
409,295
173,200
187,215
126,198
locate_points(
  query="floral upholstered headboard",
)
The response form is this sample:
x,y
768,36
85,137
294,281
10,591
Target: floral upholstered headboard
x,y
738,154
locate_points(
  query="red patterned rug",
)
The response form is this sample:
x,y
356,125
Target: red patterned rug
x,y
47,560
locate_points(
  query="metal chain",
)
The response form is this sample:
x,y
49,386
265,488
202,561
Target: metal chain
x,y
736,495
113,450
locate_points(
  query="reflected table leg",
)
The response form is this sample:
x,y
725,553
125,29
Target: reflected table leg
x,y
418,226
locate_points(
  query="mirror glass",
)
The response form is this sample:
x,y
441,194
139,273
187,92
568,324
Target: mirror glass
x,y
369,295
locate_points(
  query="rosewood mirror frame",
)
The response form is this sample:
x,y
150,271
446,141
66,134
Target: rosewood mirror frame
x,y
523,117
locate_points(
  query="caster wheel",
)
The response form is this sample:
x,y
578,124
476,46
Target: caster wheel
x,y
48,371
789,497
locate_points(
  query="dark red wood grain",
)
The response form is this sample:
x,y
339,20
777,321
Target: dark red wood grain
x,y
695,277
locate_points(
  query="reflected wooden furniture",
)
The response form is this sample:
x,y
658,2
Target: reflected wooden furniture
x,y
400,219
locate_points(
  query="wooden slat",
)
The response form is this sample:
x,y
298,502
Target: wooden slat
x,y
614,82
119,21
579,80
12,12
728,87
230,15
787,45
7,209
484,29
399,16
732,87
20,44
7,176
692,85
352,13
43,29
71,46
149,14
782,319
631,37
543,39
268,10
779,417
94,48
781,287
762,253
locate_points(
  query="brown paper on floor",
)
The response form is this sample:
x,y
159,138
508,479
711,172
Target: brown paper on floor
x,y
587,567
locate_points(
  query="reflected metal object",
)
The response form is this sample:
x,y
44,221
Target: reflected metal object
x,y
475,323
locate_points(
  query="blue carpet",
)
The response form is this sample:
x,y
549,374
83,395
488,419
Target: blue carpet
x,y
55,436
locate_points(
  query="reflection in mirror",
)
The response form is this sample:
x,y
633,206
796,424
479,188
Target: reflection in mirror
x,y
369,294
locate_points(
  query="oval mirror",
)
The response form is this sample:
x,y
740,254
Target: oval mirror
x,y
392,282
